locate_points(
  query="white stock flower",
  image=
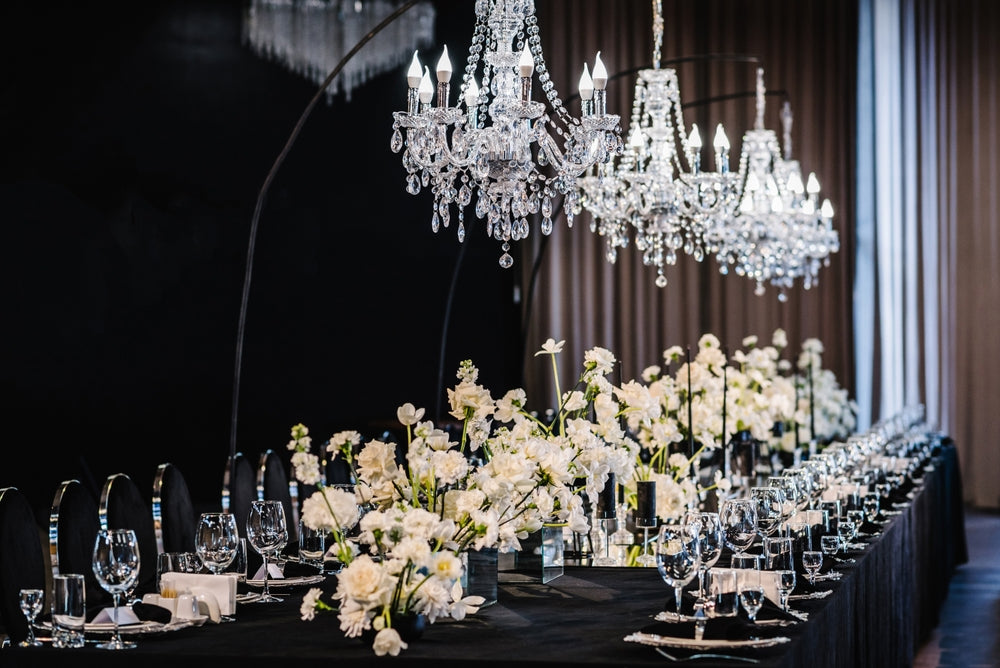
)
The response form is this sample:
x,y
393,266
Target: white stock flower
x,y
602,360
330,509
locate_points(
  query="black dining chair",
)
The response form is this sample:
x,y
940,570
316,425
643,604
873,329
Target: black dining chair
x,y
239,489
174,519
22,562
272,485
123,506
73,525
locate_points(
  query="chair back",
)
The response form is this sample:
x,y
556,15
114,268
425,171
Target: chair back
x,y
22,562
174,519
239,489
123,506
272,485
73,525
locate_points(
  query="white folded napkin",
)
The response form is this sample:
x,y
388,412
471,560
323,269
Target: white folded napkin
x,y
273,572
222,587
768,580
125,616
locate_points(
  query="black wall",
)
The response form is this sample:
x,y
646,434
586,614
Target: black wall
x,y
134,138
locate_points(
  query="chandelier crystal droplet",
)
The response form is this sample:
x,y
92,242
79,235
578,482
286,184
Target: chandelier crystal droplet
x,y
497,141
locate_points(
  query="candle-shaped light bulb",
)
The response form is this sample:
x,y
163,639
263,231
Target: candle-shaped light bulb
x,y
827,209
586,85
753,183
426,88
526,66
694,139
812,184
600,73
721,141
776,205
472,93
444,67
414,73
636,141
808,208
795,183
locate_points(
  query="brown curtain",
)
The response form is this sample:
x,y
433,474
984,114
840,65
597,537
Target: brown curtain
x,y
808,51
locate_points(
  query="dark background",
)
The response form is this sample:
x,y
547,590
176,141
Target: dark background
x,y
134,139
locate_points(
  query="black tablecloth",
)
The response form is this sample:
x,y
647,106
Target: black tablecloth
x,y
882,608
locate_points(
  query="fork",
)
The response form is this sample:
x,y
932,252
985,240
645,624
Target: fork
x,y
706,656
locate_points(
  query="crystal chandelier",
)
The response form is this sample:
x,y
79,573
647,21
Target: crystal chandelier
x,y
672,206
309,37
779,233
499,146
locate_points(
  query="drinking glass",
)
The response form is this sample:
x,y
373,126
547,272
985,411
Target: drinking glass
x,y
267,533
216,541
676,558
778,554
857,517
812,561
770,503
739,523
746,561
31,604
116,566
751,596
790,488
720,584
845,531
801,535
312,545
786,584
830,545
871,507
706,528
69,610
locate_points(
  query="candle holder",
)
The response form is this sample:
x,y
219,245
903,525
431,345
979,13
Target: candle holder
x,y
645,518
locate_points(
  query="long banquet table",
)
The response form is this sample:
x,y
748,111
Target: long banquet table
x,y
880,610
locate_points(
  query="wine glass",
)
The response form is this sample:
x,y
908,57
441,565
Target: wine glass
x,y
267,533
770,503
116,566
846,531
738,518
706,528
857,517
830,545
751,595
812,561
676,558
871,507
786,584
216,541
31,605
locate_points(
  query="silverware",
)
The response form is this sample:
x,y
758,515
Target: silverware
x,y
693,657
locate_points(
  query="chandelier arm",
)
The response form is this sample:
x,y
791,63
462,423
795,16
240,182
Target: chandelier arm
x,y
255,222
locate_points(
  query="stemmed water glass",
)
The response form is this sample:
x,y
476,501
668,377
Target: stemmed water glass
x,y
676,558
706,528
812,561
751,594
116,566
267,532
31,605
216,541
738,518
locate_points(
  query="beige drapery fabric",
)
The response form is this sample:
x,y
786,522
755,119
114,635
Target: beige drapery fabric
x,y
808,49
929,262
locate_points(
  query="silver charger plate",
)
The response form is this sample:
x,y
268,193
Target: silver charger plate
x,y
142,628
656,640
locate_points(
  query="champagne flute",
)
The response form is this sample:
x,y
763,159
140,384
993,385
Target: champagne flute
x,y
216,541
267,533
812,561
676,558
739,523
116,566
31,605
